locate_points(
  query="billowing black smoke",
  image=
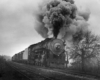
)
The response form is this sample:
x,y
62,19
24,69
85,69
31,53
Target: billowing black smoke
x,y
57,14
61,19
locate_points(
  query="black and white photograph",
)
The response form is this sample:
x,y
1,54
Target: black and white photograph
x,y
49,39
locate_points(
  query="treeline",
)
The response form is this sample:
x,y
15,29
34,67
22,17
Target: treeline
x,y
4,58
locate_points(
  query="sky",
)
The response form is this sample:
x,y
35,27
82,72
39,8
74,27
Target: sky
x,y
17,23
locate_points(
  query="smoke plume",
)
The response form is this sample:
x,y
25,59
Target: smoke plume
x,y
61,19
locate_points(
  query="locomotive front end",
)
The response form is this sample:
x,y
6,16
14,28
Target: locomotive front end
x,y
56,54
57,46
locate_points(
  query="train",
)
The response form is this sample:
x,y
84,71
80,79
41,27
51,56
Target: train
x,y
49,53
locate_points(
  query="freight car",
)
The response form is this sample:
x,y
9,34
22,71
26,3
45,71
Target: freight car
x,y
18,57
49,52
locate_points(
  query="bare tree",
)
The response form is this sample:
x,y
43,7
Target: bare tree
x,y
85,46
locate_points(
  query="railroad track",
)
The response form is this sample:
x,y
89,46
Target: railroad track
x,y
85,75
19,72
29,73
72,73
79,73
69,73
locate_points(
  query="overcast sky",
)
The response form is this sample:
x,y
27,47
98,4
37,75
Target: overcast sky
x,y
17,23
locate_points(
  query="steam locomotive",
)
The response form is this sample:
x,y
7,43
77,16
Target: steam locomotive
x,y
49,52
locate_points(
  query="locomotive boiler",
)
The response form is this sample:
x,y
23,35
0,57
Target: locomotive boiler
x,y
49,52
